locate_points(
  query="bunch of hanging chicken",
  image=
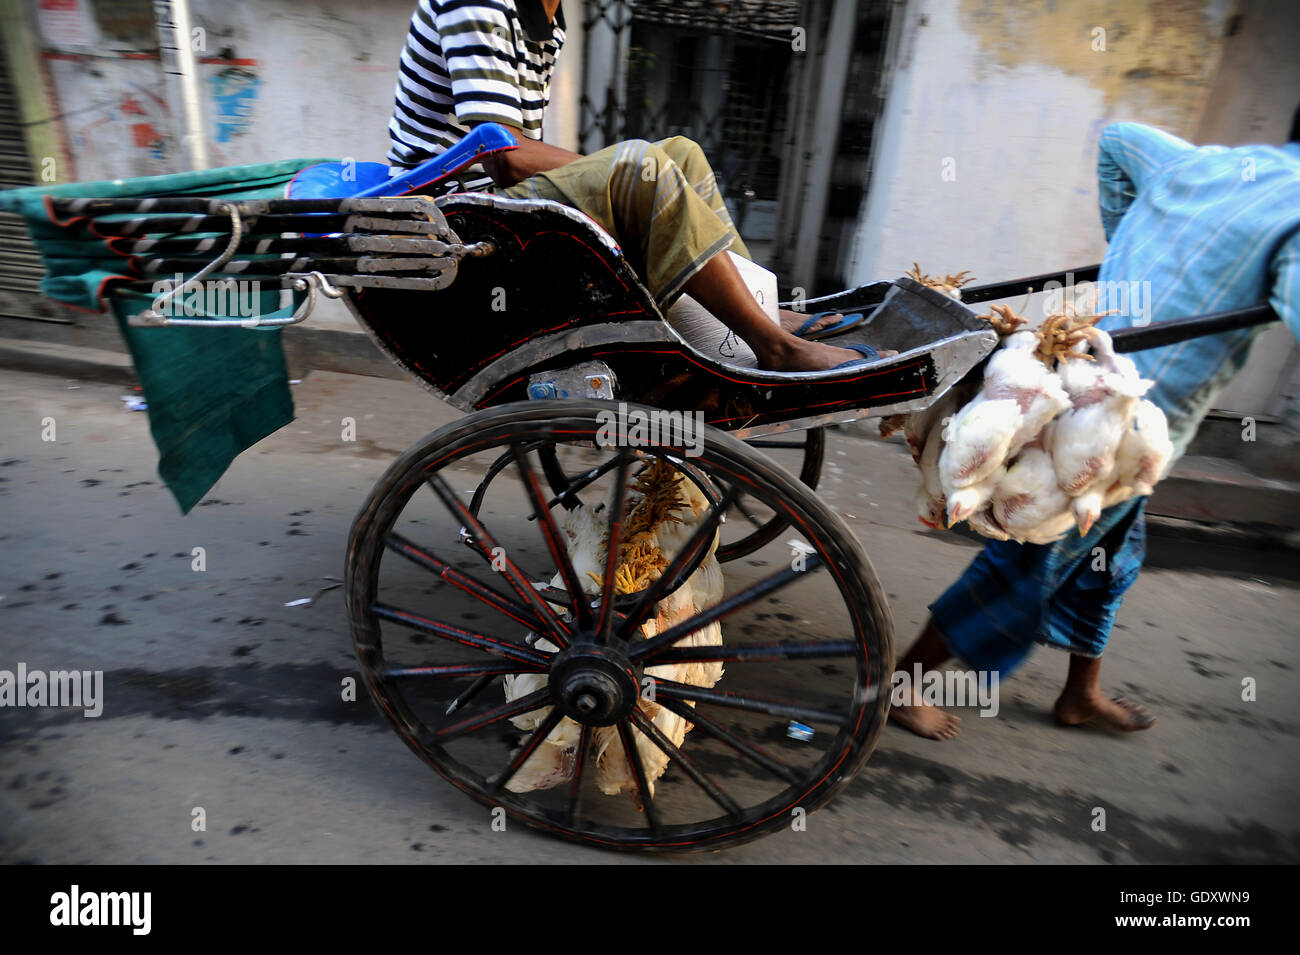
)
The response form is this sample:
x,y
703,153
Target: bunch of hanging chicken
x,y
1056,431
658,524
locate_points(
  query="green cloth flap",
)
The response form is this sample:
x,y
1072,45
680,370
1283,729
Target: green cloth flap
x,y
212,393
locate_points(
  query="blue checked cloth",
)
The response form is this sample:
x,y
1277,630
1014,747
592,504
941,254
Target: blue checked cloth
x,y
1065,595
1209,229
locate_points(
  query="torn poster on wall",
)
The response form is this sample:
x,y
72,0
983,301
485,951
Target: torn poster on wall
x,y
234,94
63,23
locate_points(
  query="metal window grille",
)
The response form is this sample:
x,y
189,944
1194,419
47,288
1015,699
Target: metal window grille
x,y
712,70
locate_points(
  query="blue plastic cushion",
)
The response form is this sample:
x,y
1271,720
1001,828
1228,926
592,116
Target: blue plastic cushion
x,y
337,180
341,180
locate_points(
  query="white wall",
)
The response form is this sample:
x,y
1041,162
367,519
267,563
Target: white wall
x,y
317,79
1012,97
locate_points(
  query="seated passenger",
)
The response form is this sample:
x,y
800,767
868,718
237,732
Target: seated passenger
x,y
466,63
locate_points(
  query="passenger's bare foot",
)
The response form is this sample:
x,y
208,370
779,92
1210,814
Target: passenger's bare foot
x,y
795,354
792,321
1117,714
925,719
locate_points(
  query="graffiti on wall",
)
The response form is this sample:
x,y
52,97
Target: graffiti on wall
x,y
131,125
144,133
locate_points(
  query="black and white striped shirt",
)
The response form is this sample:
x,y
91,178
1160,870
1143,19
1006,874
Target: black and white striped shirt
x,y
471,62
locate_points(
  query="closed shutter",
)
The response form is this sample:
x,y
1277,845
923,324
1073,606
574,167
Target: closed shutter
x,y
20,263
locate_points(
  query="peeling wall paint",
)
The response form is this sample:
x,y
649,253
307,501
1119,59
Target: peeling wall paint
x,y
1014,96
1009,99
280,78
1157,56
121,125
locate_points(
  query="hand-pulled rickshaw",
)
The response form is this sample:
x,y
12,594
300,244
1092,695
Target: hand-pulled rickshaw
x,y
497,554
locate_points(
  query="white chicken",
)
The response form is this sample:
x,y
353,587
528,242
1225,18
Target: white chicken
x,y
964,501
1016,372
1145,451
1029,497
655,528
1103,395
976,440
1052,437
553,761
666,517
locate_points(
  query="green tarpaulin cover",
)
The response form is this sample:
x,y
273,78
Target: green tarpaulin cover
x,y
211,392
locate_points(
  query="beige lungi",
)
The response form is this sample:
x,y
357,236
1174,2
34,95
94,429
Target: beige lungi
x,y
660,201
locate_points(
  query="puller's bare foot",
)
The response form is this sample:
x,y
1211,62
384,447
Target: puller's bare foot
x,y
1118,714
925,719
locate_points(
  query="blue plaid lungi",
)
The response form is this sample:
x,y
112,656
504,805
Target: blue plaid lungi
x,y
1064,595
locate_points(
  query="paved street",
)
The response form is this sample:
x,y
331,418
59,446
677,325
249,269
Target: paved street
x,y
219,696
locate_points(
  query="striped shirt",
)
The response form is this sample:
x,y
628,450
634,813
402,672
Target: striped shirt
x,y
471,62
1210,229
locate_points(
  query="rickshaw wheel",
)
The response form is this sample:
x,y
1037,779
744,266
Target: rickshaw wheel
x,y
812,445
809,447
793,717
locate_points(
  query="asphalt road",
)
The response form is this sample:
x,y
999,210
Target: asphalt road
x,y
218,695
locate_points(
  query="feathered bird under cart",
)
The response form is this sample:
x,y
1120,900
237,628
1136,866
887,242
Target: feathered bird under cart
x,y
668,508
535,592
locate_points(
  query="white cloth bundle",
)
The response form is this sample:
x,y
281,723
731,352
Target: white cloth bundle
x,y
706,334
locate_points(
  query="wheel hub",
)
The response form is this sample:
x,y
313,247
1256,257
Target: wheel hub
x,y
594,685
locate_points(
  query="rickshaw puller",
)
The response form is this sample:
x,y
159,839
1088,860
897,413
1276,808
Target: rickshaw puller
x,y
1209,229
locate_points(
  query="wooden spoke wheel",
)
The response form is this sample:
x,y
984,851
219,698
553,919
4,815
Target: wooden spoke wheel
x,y
505,647
753,525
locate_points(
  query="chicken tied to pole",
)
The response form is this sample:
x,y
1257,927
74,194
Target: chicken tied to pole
x,y
656,527
1056,431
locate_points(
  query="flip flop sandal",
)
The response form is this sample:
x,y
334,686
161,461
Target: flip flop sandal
x,y
868,354
843,325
